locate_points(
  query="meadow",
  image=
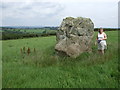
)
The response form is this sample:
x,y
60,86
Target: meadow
x,y
9,33
21,33
42,68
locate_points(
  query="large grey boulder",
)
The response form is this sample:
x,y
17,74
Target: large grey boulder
x,y
74,36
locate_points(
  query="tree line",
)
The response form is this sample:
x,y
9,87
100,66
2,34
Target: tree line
x,y
15,33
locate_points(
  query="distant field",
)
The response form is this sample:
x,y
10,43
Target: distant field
x,y
44,69
19,33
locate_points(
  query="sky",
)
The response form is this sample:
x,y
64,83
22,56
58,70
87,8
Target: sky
x,y
103,13
119,14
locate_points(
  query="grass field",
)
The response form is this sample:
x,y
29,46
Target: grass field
x,y
44,69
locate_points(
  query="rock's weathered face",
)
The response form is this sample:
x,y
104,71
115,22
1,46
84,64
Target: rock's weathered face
x,y
74,36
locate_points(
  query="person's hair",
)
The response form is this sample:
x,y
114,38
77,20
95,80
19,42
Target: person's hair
x,y
100,29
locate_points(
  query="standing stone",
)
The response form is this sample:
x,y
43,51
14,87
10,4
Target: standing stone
x,y
74,36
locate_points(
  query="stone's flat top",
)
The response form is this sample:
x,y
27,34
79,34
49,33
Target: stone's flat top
x,y
74,36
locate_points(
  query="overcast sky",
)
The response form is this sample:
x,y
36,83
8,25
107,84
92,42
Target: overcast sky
x,y
104,13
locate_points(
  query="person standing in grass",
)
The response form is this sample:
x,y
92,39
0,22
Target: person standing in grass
x,y
101,39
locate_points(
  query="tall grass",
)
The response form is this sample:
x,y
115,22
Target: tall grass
x,y
0,64
43,68
48,56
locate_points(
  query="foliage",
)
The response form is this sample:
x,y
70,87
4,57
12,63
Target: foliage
x,y
18,33
14,33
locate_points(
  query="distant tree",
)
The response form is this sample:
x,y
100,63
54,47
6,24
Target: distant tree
x,y
44,32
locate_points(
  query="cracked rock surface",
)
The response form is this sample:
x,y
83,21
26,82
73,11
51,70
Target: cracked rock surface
x,y
74,36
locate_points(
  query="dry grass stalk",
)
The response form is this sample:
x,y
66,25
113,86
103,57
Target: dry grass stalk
x,y
28,51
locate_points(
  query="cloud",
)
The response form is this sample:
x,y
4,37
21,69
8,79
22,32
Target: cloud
x,y
62,1
30,10
51,12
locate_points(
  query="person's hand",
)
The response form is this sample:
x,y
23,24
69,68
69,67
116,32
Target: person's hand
x,y
101,39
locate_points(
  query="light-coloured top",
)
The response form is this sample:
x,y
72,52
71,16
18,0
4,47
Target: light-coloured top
x,y
102,36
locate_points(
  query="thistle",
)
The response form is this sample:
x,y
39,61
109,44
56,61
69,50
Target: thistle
x,y
21,50
34,50
24,49
28,51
